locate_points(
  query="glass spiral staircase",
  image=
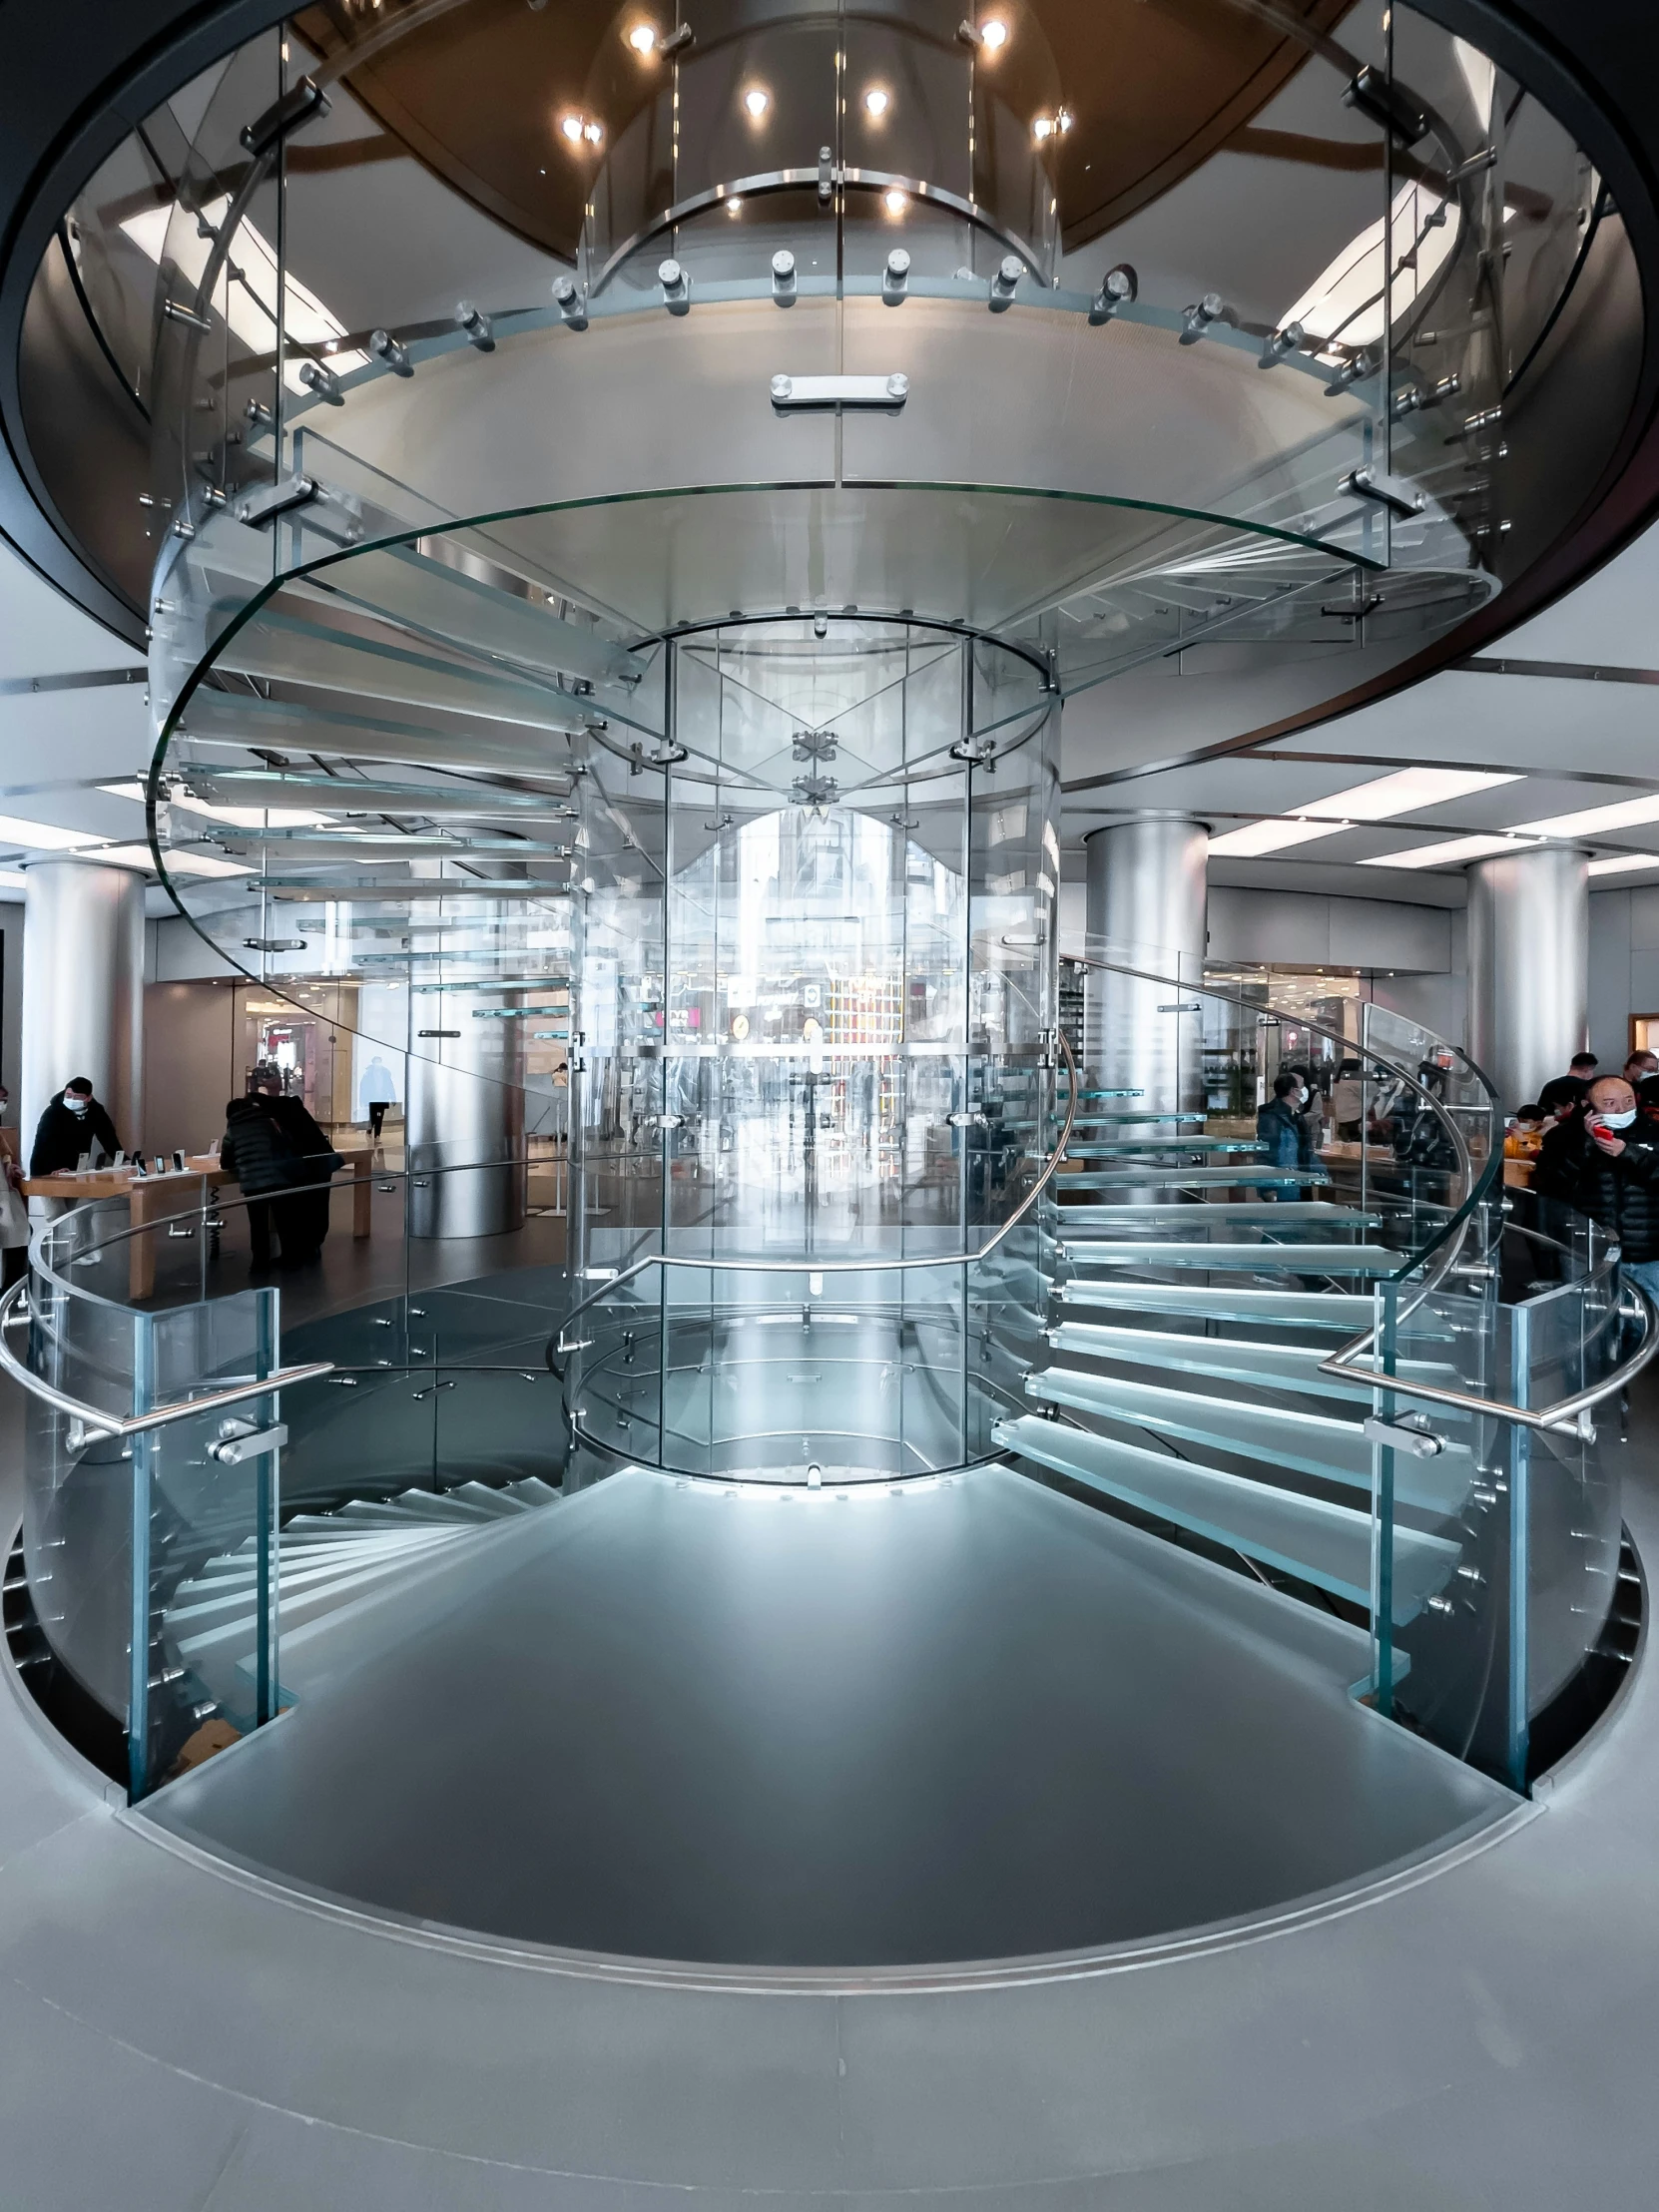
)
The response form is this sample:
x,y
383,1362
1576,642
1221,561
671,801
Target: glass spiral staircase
x,y
682,813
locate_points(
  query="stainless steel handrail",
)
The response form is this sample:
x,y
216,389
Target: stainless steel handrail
x,y
1565,1415
1450,1239
91,1424
837,1267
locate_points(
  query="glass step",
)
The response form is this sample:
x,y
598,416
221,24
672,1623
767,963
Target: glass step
x,y
1177,1177
1124,1147
335,733
446,603
287,649
1304,1259
1247,1211
1344,1313
333,794
1328,1545
1311,1443
1234,1359
344,848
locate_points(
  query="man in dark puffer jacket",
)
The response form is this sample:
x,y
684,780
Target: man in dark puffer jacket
x,y
1604,1162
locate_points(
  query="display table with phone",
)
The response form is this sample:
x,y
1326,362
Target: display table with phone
x,y
155,1198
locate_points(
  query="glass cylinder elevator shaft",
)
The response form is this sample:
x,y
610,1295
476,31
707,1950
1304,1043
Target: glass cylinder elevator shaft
x,y
812,963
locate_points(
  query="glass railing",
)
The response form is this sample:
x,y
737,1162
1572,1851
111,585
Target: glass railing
x,y
1524,1543
1380,1390
1401,1133
1450,1494
148,1526
700,1357
922,205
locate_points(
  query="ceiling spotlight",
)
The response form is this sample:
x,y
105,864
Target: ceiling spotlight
x,y
734,206
895,203
876,101
643,38
570,127
993,34
757,102
593,133
1042,128
1063,121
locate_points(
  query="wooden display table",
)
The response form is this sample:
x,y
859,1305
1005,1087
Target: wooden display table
x,y
153,1199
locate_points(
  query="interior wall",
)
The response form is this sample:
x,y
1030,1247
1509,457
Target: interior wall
x,y
1624,967
192,1064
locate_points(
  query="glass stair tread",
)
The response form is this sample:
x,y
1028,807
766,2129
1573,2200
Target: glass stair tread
x,y
328,794
1304,1259
1328,1545
1318,1444
493,1504
1340,1312
411,587
206,1596
1177,1177
286,648
1244,1210
1119,1147
337,734
1235,1359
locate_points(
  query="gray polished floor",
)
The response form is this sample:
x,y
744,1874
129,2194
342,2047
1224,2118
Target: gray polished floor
x,y
965,1721
1480,2035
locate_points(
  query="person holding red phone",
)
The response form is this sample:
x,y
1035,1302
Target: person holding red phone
x,y
1604,1162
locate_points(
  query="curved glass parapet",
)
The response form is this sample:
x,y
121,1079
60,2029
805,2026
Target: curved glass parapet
x,y
1169,1321
1222,369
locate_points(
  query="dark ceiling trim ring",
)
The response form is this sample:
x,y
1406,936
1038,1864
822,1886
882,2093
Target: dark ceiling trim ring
x,y
76,81
86,679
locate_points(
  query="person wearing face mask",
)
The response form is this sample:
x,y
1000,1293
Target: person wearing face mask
x,y
1604,1162
1282,1130
72,1124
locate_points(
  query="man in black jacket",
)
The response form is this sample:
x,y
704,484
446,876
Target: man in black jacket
x,y
72,1124
1604,1162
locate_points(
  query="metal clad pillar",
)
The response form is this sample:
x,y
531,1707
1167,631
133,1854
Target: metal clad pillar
x,y
82,991
468,1175
1147,908
1530,966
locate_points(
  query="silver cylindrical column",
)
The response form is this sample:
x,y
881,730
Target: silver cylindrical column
x,y
1147,907
1530,966
468,1174
82,991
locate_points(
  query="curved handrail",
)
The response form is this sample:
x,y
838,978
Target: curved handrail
x,y
1566,1414
556,1342
1459,1222
92,1423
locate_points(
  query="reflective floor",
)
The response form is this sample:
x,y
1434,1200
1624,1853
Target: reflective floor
x,y
962,1720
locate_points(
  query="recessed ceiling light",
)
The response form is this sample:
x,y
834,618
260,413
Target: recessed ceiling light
x,y
46,837
993,33
894,203
1405,792
570,127
1616,863
1042,128
643,38
1378,800
734,206
757,102
876,101
1624,814
1257,838
1452,850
